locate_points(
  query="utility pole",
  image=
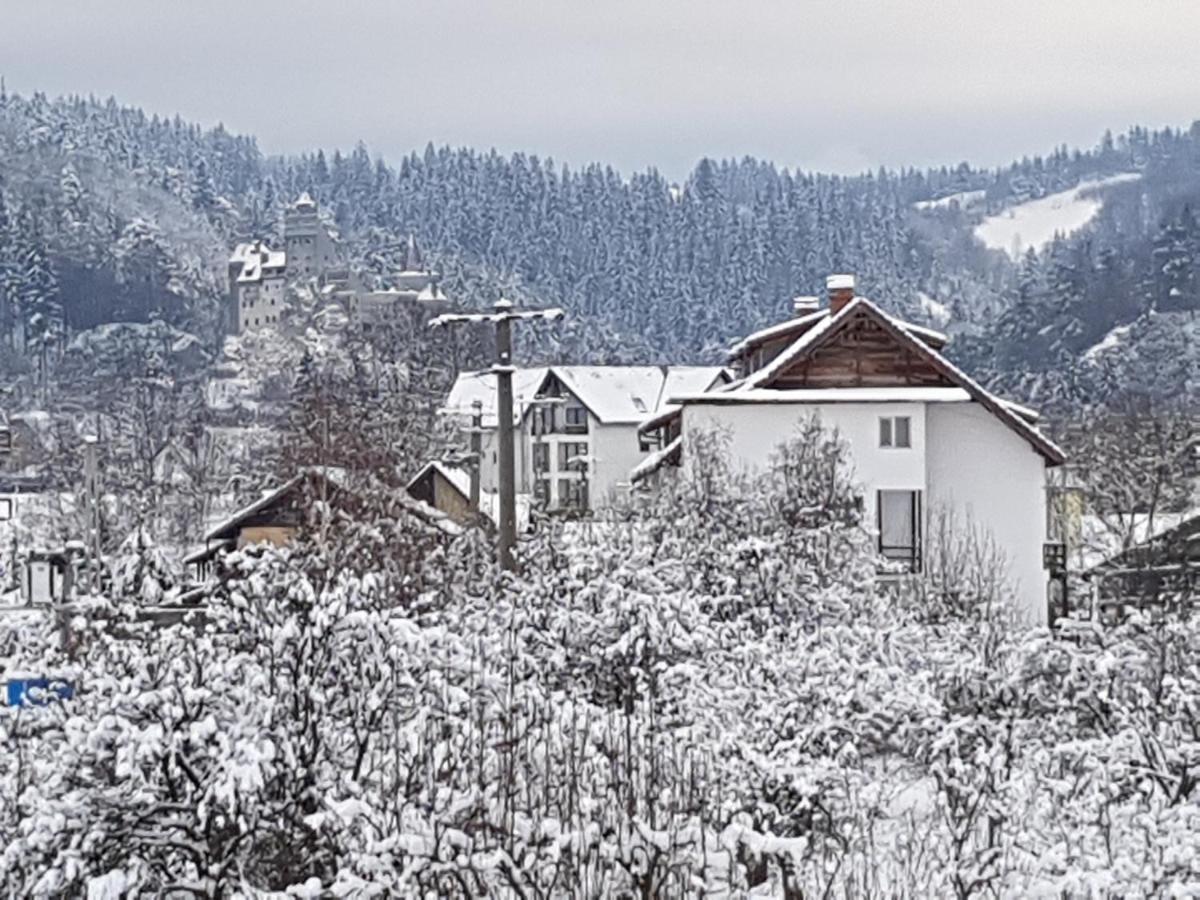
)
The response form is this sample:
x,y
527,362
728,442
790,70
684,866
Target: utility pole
x,y
91,479
502,318
476,453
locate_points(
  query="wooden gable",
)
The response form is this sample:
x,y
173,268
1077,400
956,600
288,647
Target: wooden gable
x,y
861,352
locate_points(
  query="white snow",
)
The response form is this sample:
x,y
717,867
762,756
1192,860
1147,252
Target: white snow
x,y
962,199
1034,224
1111,341
932,308
614,394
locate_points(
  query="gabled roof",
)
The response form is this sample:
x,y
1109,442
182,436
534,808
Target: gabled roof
x,y
627,394
1173,538
669,454
227,529
459,479
821,333
481,386
801,324
613,394
786,328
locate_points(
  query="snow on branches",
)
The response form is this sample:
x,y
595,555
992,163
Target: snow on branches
x,y
709,695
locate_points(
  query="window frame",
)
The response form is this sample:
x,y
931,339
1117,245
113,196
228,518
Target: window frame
x,y
889,433
909,555
569,449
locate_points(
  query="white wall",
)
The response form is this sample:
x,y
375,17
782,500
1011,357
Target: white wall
x,y
615,448
755,431
985,472
962,458
260,304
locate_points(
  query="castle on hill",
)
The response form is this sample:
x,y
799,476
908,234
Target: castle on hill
x,y
259,277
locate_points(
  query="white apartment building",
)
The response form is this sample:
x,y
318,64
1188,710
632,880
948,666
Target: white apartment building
x,y
576,438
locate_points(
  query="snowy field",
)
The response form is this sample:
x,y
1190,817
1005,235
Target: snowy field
x,y
1035,223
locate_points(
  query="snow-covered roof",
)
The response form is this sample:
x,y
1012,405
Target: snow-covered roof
x,y
459,478
256,264
656,460
807,342
801,324
830,395
778,330
431,293
628,394
470,387
1102,538
613,394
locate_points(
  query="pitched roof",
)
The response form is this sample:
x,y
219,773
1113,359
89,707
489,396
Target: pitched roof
x,y
459,479
800,324
228,527
860,306
627,394
481,386
656,460
613,394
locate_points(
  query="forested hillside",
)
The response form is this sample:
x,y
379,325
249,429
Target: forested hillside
x,y
109,214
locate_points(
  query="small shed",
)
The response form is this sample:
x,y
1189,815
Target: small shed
x,y
446,489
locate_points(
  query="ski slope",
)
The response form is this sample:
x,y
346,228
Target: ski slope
x,y
1034,224
962,199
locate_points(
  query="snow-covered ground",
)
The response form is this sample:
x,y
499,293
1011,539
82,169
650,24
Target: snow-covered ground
x,y
963,199
1111,341
932,308
1034,224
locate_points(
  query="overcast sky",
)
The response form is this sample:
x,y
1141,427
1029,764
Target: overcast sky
x,y
838,85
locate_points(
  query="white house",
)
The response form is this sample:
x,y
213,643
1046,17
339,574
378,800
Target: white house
x,y
576,438
924,439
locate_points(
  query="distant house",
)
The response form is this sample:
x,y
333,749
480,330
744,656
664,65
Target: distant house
x,y
925,440
276,518
445,488
1163,571
576,435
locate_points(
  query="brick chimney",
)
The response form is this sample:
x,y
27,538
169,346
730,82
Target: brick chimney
x,y
840,289
803,306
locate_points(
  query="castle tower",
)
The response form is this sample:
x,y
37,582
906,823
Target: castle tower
x,y
309,246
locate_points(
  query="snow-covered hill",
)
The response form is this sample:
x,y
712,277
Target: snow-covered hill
x,y
1035,223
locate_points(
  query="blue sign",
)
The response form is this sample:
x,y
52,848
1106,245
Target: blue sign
x,y
37,691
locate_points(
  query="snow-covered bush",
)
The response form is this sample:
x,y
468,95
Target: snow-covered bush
x,y
707,696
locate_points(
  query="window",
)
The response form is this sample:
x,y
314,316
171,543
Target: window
x,y
6,509
541,457
541,491
568,454
899,515
576,420
895,431
647,442
5,440
572,493
543,420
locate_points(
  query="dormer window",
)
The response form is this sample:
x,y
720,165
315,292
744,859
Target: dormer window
x,y
895,431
